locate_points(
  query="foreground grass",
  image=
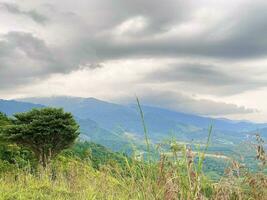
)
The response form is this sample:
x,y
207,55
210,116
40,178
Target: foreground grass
x,y
72,179
172,177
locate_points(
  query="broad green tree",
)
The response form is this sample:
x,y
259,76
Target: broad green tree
x,y
46,132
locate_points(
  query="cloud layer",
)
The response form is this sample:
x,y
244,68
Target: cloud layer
x,y
14,9
196,54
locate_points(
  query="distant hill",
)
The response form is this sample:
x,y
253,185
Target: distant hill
x,y
119,126
162,123
110,114
90,130
10,107
116,140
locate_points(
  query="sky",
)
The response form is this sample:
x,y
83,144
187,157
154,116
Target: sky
x,y
207,57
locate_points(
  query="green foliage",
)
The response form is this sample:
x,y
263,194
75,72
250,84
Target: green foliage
x,y
4,120
14,155
46,132
96,154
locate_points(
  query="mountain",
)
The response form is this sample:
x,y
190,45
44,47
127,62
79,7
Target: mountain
x,y
107,115
110,114
10,107
115,140
90,130
119,126
161,123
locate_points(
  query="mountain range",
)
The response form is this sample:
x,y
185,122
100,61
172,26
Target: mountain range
x,y
118,126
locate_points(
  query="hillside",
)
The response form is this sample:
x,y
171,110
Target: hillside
x,y
119,127
90,129
110,115
161,123
10,107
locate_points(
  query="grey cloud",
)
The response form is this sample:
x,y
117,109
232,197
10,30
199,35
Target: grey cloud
x,y
95,66
25,59
210,79
177,101
240,41
81,34
33,14
229,49
161,16
193,72
238,36
243,38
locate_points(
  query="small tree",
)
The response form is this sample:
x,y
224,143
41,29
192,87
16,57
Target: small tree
x,y
46,132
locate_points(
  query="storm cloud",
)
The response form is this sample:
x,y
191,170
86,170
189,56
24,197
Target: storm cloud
x,y
188,104
25,58
216,50
14,9
210,79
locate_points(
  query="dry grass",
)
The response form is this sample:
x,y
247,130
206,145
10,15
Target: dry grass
x,y
170,178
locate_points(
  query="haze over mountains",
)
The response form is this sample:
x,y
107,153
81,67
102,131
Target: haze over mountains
x,y
118,126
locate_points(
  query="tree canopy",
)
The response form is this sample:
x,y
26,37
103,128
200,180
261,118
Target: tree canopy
x,y
46,132
4,120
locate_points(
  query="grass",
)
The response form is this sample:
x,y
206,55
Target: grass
x,y
170,178
145,129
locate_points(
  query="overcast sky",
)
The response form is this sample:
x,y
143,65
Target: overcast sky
x,y
207,57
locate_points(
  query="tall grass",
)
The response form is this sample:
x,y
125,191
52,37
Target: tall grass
x,y
145,129
172,177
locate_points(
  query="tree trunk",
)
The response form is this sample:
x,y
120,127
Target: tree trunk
x,y
44,157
